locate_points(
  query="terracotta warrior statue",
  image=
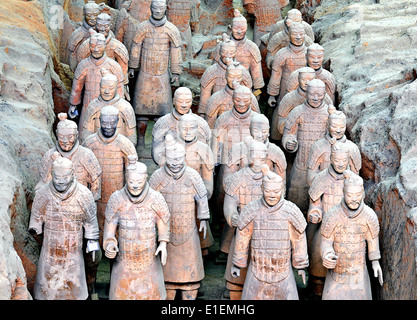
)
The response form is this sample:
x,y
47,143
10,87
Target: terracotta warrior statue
x,y
319,157
109,96
315,57
306,124
156,51
90,11
247,52
347,276
183,100
214,77
241,188
63,211
111,149
293,16
270,234
87,76
287,60
222,100
141,217
184,14
184,191
267,13
238,154
115,49
140,10
325,192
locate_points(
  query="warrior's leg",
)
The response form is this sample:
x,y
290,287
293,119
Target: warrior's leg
x,y
141,125
189,294
171,294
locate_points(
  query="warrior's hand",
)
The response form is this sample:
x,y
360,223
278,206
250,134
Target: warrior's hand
x,y
175,80
291,145
203,227
330,260
92,246
314,215
377,271
111,250
127,93
235,271
234,220
302,273
162,248
272,101
131,73
72,111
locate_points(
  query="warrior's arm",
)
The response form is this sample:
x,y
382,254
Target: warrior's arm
x,y
276,75
299,248
77,87
230,206
207,176
243,237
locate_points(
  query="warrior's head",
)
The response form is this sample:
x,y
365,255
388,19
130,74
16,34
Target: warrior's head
x,y
353,190
258,154
158,9
315,56
272,186
136,176
108,85
66,132
242,98
239,25
109,118
336,123
91,10
188,127
316,91
259,127
297,34
305,75
339,156
183,100
293,16
97,44
174,154
103,24
234,73
62,172
227,49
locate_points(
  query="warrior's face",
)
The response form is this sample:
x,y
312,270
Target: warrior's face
x,y
227,52
66,139
108,124
315,95
239,29
175,161
90,16
62,178
339,161
136,182
272,191
188,130
158,8
297,36
182,102
260,131
315,59
234,75
242,101
108,89
337,128
257,157
97,48
103,27
304,78
353,195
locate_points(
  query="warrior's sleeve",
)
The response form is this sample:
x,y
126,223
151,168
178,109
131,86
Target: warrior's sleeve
x,y
91,164
276,73
203,212
121,24
231,201
127,149
159,131
83,51
207,168
291,128
292,82
38,210
297,226
88,125
136,47
255,104
111,219
122,58
175,52
355,162
327,231
372,235
45,166
217,142
160,207
207,82
78,84
242,243
313,162
255,67
90,222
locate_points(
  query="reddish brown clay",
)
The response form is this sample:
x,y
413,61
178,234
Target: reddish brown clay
x,y
184,191
109,96
65,212
347,276
111,149
214,77
90,10
271,235
141,218
319,157
305,124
